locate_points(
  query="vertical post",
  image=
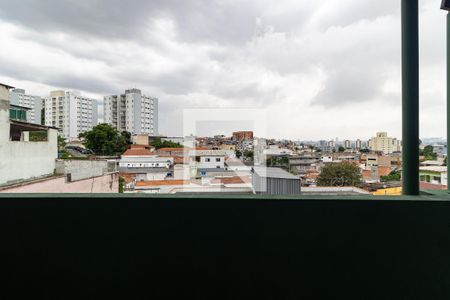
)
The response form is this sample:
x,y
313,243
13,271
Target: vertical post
x,y
448,97
410,96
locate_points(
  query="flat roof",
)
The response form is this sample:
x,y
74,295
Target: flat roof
x,y
437,169
19,106
29,126
432,163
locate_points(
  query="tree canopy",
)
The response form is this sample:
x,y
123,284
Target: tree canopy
x,y
158,144
393,176
340,174
277,161
428,153
104,139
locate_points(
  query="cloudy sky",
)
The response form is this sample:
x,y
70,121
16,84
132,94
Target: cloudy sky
x,y
322,69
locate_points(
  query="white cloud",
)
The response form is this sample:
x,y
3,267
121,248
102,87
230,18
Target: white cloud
x,y
322,69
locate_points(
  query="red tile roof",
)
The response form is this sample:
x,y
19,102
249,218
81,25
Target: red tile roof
x,y
176,159
231,180
367,174
384,171
138,152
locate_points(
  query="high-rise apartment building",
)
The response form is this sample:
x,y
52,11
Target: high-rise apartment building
x,y
347,144
381,142
132,112
18,97
358,144
71,112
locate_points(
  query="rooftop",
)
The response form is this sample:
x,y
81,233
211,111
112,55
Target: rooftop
x,y
231,180
197,152
273,173
6,86
25,126
138,152
334,191
179,149
161,182
432,163
437,169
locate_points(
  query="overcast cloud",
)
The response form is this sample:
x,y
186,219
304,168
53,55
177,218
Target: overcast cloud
x,y
323,69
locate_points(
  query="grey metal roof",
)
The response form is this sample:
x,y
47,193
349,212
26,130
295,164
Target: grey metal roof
x,y
273,173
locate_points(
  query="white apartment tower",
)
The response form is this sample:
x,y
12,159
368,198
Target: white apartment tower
x,y
347,144
71,112
132,112
18,97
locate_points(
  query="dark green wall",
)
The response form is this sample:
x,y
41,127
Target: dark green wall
x,y
135,248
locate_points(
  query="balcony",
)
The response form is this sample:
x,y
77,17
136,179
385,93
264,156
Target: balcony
x,y
230,247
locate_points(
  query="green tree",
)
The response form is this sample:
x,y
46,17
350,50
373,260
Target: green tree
x,y
248,154
428,152
393,176
158,144
104,139
238,154
339,174
341,149
127,137
364,150
38,136
121,184
61,143
277,161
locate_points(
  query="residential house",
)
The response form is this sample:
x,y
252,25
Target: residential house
x,y
433,177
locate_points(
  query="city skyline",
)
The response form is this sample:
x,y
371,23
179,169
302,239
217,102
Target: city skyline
x,y
322,70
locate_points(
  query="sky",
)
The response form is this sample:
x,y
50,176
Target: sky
x,y
321,69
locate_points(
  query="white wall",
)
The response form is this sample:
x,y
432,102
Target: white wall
x,y
4,120
181,172
26,160
212,163
81,169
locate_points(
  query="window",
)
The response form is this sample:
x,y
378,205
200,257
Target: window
x,y
300,94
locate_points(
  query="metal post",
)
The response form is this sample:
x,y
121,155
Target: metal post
x,y
448,95
410,96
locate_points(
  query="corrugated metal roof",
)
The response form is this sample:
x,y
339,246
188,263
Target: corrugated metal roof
x,y
273,173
